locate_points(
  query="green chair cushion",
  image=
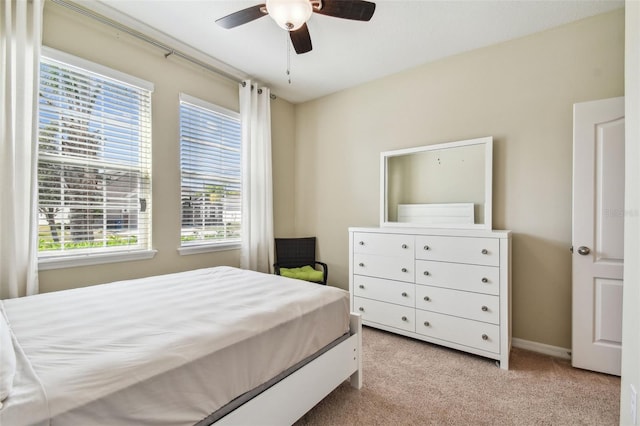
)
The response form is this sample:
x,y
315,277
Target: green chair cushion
x,y
306,273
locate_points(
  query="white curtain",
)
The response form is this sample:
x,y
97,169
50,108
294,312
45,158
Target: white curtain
x,y
257,251
20,42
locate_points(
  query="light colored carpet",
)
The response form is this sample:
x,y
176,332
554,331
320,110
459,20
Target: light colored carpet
x,y
409,382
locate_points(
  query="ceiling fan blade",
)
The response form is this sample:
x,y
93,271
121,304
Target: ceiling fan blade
x,y
301,39
242,16
357,10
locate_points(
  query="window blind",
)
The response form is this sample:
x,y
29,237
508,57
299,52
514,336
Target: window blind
x,y
94,159
210,168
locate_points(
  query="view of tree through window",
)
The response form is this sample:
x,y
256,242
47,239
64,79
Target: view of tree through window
x,y
210,168
94,161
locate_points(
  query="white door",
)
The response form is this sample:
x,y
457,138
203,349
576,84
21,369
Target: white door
x,y
598,234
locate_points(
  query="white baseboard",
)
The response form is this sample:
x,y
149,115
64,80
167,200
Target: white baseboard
x,y
541,348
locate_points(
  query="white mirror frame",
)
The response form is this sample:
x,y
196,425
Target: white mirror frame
x,y
488,183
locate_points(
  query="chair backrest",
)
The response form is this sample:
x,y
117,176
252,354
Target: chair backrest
x,y
295,252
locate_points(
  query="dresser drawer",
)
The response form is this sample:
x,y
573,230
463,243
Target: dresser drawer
x,y
476,278
478,251
397,292
475,334
392,245
479,307
393,268
397,316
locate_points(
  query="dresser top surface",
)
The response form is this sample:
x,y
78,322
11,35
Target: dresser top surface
x,y
451,232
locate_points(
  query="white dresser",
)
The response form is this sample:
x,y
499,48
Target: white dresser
x,y
451,287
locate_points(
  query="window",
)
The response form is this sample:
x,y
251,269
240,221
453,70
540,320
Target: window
x,y
210,174
94,159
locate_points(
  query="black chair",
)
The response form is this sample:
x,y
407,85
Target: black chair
x,y
296,253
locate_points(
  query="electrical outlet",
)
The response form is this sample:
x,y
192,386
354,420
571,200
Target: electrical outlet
x,y
634,405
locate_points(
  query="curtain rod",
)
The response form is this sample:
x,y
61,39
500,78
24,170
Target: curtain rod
x,y
143,37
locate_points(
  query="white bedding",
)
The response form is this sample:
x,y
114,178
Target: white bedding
x,y
165,350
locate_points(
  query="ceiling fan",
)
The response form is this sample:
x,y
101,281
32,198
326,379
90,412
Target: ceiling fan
x,y
292,15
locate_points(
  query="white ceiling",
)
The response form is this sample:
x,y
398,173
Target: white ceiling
x,y
402,34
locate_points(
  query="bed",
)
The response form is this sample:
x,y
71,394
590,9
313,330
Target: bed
x,y
217,345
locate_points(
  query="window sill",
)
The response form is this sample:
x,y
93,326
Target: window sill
x,y
207,248
47,263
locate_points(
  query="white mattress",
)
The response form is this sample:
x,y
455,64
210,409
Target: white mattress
x,y
165,350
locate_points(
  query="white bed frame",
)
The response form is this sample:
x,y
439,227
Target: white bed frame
x,y
289,399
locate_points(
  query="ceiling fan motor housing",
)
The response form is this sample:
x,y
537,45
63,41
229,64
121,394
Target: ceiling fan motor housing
x,y
290,14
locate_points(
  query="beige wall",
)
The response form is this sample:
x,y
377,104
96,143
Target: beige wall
x,y
283,155
521,93
81,36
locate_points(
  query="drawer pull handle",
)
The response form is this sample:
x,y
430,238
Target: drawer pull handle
x,y
427,299
485,251
361,286
361,309
404,269
485,337
427,324
427,273
485,309
361,243
485,280
404,319
404,294
426,247
361,264
404,246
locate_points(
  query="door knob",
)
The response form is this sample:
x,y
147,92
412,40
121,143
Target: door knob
x,y
584,250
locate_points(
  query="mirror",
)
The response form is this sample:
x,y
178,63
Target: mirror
x,y
444,185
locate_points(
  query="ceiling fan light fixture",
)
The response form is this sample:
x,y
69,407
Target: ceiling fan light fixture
x,y
290,14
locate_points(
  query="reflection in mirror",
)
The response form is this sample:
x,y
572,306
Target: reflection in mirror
x,y
443,185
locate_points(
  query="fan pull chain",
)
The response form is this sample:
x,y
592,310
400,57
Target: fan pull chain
x,y
288,57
